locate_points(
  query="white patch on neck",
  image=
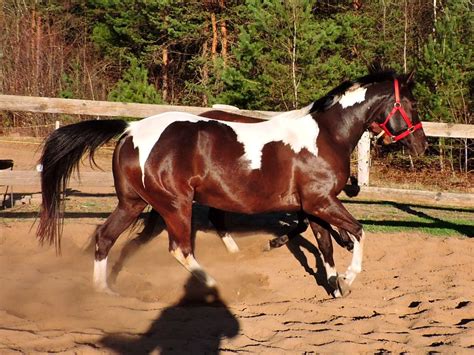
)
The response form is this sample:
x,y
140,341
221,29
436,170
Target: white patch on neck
x,y
352,96
296,128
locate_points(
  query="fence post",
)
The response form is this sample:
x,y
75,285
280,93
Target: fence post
x,y
363,159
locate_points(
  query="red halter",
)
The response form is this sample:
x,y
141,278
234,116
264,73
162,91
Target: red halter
x,y
397,106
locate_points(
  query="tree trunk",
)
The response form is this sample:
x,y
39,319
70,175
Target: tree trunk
x,y
164,90
214,36
384,18
223,34
293,60
405,37
224,41
205,69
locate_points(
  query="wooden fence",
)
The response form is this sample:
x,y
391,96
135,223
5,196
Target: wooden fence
x,y
112,109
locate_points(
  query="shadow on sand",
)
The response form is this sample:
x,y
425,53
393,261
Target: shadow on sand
x,y
196,324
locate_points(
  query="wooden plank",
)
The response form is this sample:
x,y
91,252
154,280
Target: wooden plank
x,y
32,178
123,109
450,130
105,179
99,108
416,196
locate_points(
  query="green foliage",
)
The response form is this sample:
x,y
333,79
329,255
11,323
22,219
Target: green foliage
x,y
280,54
445,69
138,28
284,58
66,92
134,86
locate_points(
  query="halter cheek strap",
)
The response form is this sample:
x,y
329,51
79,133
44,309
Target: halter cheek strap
x,y
397,107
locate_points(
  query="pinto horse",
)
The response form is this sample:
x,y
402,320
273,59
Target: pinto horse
x,y
298,160
217,217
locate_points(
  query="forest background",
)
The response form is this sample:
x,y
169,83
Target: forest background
x,y
254,54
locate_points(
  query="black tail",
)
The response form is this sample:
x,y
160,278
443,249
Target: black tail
x,y
61,155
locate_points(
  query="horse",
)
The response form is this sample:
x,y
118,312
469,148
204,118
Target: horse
x,y
298,160
217,217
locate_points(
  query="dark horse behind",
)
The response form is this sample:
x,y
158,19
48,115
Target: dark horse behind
x,y
297,161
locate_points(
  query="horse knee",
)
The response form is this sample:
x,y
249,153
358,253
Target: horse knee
x,y
102,245
358,232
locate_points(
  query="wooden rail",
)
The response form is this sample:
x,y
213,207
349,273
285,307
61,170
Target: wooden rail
x,y
32,178
124,109
105,179
100,108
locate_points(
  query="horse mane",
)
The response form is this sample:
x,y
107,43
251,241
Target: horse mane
x,y
376,75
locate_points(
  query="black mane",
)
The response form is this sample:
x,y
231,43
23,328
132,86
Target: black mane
x,y
327,101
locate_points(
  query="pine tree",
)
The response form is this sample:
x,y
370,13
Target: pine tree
x,y
289,54
134,86
445,72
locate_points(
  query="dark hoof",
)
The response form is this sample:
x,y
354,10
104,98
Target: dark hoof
x,y
332,281
278,242
342,285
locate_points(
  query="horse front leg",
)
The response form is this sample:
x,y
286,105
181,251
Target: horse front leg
x,y
334,213
321,231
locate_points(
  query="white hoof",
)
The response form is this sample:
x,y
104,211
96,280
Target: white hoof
x,y
230,244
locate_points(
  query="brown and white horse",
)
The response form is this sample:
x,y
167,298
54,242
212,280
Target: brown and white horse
x,y
298,160
217,217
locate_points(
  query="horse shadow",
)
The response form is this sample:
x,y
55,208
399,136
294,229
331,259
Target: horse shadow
x,y
154,225
296,246
277,224
196,324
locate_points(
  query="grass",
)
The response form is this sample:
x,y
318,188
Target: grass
x,y
388,217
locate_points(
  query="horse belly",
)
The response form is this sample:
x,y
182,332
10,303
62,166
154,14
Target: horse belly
x,y
246,193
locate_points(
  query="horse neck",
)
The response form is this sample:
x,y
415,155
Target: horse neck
x,y
346,125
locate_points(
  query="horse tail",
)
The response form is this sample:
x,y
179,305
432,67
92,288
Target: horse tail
x,y
62,153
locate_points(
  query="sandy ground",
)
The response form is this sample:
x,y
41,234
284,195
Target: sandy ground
x,y
415,294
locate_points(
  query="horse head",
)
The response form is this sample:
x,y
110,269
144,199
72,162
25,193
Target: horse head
x,y
397,119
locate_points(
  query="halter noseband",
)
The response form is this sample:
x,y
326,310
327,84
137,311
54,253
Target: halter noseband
x,y
397,106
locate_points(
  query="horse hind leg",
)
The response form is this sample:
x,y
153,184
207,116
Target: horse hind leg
x,y
217,218
106,235
178,223
300,228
